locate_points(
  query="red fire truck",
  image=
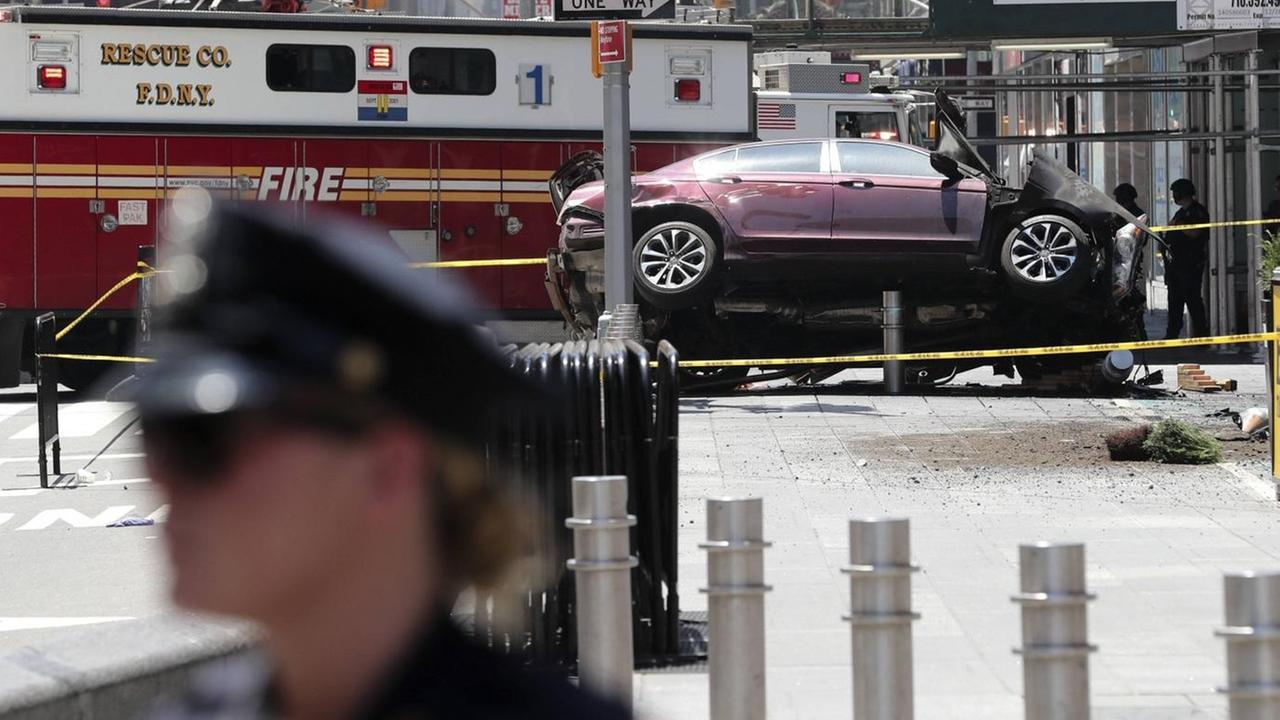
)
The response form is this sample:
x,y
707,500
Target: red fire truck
x,y
443,131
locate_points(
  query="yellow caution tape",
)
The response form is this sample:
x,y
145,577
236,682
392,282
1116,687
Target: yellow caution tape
x,y
983,354
505,262
144,270
100,358
1211,225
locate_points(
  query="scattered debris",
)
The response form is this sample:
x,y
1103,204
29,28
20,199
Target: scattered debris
x,y
1256,421
1176,442
1128,443
132,522
1191,377
1151,378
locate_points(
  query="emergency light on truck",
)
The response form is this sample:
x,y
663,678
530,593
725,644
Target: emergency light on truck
x,y
380,57
52,77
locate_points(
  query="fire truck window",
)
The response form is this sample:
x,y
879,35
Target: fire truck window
x,y
788,158
311,68
876,125
452,71
883,159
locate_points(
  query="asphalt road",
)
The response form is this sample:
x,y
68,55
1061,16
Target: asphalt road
x,y
60,565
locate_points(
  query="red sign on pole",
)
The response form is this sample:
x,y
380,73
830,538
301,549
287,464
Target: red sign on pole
x,y
612,43
511,9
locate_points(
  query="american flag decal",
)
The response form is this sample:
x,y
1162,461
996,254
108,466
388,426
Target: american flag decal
x,y
775,116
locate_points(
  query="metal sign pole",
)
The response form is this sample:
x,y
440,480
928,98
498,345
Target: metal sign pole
x,y
617,185
1273,378
1252,602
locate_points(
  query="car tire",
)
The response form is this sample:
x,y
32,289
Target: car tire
x,y
1046,257
675,264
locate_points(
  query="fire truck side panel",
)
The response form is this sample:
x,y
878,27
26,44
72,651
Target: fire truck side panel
x,y
17,208
212,76
470,177
529,228
259,166
127,173
337,173
410,204
66,228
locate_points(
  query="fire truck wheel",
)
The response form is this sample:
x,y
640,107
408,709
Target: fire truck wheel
x,y
675,264
1046,257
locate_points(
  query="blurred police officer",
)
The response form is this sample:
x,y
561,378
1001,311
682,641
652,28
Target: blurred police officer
x,y
1186,253
315,421
1126,196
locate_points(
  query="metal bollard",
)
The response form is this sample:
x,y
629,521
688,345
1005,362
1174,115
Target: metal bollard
x,y
1055,639
1252,632
894,341
602,563
735,578
880,614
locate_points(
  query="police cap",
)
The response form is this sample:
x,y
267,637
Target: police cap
x,y
261,312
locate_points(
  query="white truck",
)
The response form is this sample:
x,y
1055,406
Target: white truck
x,y
803,94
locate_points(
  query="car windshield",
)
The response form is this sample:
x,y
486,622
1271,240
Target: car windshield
x,y
874,125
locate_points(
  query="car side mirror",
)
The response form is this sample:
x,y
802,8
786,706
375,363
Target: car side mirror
x,y
949,168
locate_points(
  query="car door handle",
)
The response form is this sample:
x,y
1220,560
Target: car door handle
x,y
727,180
857,184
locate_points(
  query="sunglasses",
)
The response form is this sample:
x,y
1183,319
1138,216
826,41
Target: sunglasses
x,y
199,448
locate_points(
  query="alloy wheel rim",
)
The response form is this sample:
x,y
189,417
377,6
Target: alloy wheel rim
x,y
1044,252
673,259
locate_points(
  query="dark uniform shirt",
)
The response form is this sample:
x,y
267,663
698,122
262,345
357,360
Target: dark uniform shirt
x,y
1185,250
444,676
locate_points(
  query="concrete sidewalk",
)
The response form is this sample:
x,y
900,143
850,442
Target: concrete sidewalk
x,y
1158,539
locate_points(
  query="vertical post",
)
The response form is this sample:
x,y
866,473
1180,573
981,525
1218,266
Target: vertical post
x,y
602,564
894,334
1253,186
880,616
1055,648
1218,299
735,586
47,397
617,184
1273,378
1252,632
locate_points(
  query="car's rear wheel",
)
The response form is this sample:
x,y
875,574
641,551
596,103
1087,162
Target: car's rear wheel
x,y
1046,257
675,264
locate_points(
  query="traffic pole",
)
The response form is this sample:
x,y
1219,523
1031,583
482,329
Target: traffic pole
x,y
1055,646
1252,632
880,616
735,586
602,564
617,178
1273,379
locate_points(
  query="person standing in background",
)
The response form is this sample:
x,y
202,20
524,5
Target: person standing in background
x,y
1186,254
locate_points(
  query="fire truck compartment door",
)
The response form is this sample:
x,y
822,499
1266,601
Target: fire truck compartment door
x,y
418,245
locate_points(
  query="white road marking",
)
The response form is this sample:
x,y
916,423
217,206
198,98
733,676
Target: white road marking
x,y
4,517
76,519
1265,489
8,410
160,514
23,492
103,456
80,420
122,481
9,624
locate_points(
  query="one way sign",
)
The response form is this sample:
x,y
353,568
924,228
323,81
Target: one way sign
x,y
614,9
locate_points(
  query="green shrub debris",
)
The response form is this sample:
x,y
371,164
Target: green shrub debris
x,y
1177,442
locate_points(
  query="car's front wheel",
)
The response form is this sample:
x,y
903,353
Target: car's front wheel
x,y
1046,257
675,264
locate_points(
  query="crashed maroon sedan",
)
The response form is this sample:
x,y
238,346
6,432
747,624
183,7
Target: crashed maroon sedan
x,y
787,245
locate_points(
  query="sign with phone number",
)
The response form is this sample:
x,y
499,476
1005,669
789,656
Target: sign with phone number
x,y
1228,14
